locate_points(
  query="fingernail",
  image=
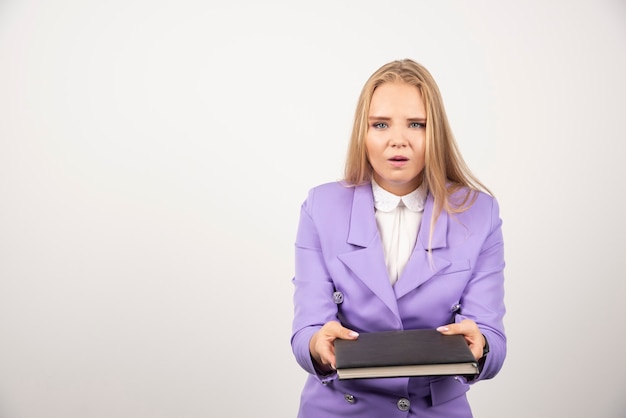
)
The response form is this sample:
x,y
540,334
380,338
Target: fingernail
x,y
353,334
442,329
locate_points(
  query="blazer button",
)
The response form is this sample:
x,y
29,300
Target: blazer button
x,y
338,297
349,398
404,404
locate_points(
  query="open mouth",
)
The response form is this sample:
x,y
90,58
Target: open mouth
x,y
398,158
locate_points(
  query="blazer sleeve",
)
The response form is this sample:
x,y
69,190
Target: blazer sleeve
x,y
313,287
483,298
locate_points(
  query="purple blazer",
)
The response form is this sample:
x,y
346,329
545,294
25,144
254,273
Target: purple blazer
x,y
340,274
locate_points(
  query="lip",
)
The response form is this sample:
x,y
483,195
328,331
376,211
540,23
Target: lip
x,y
398,160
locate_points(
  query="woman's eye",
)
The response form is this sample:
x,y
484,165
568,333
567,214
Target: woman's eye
x,y
417,125
379,125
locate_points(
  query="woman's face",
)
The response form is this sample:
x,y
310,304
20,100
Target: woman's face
x,y
396,137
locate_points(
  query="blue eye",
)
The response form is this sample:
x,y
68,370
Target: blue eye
x,y
417,125
379,125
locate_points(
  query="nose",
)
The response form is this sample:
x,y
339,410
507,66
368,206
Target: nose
x,y
397,139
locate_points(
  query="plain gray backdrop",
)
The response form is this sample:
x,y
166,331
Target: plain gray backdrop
x,y
154,156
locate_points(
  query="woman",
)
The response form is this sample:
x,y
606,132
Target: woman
x,y
409,240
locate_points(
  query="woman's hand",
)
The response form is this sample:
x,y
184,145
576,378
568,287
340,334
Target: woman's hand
x,y
322,347
470,331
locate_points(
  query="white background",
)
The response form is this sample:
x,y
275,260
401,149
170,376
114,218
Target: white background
x,y
154,156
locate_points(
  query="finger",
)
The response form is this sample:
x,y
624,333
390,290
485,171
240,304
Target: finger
x,y
348,334
343,334
321,345
449,329
336,330
322,351
470,331
327,357
466,327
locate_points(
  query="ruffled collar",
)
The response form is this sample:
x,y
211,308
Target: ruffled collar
x,y
386,201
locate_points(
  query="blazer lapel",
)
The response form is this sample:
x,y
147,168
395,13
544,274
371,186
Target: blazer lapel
x,y
368,262
422,266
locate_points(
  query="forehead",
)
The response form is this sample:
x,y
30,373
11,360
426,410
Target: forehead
x,y
397,96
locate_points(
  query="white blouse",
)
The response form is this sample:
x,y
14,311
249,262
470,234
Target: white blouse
x,y
398,219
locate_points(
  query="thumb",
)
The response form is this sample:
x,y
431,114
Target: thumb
x,y
449,329
348,334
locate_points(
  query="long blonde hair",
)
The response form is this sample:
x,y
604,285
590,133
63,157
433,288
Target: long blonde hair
x,y
445,171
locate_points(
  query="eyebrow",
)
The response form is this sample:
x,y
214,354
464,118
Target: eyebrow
x,y
385,118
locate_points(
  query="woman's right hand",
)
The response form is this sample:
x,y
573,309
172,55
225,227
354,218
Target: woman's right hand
x,y
322,346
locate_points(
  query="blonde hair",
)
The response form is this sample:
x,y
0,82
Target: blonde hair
x,y
445,171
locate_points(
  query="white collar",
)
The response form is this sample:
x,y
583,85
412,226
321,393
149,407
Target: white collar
x,y
386,201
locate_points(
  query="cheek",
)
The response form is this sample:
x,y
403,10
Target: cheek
x,y
368,151
421,152
372,148
419,147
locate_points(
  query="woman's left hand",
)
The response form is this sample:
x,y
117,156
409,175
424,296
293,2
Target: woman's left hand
x,y
470,331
